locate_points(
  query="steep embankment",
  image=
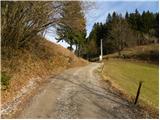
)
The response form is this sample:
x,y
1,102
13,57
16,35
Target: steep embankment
x,y
27,68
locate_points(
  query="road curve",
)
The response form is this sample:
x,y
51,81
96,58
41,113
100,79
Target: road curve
x,y
78,93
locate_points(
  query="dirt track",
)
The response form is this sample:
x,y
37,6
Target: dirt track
x,y
78,93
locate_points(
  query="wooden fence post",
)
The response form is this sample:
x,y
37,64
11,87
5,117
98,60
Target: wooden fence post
x,y
138,92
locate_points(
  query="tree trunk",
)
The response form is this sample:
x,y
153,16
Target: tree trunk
x,y
76,51
119,53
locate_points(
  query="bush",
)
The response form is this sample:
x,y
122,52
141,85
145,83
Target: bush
x,y
4,81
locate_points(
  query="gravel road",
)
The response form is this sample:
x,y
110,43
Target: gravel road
x,y
78,93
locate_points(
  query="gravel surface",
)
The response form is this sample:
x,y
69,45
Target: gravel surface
x,y
78,93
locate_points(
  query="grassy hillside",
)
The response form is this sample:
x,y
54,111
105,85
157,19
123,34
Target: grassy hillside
x,y
42,58
127,74
149,53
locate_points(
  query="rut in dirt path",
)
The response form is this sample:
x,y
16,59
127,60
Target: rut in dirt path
x,y
78,93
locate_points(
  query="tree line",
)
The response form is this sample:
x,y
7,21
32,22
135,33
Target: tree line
x,y
119,32
21,21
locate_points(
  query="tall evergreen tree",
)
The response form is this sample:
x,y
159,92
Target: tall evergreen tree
x,y
72,24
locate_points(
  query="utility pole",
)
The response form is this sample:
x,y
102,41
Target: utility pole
x,y
101,56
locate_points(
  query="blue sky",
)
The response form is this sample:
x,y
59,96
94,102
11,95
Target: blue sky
x,y
102,8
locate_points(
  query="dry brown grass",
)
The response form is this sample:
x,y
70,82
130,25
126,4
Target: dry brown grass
x,y
41,59
145,53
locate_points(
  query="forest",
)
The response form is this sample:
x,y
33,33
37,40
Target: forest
x,y
119,32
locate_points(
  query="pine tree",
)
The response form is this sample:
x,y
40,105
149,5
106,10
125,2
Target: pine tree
x,y
72,24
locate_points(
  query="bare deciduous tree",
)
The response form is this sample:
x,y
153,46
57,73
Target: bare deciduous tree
x,y
22,20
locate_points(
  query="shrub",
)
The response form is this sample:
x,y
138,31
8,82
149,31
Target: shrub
x,y
4,81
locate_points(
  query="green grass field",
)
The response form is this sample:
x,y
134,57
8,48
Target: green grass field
x,y
127,75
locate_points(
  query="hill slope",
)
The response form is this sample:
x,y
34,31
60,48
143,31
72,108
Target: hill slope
x,y
148,53
27,68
